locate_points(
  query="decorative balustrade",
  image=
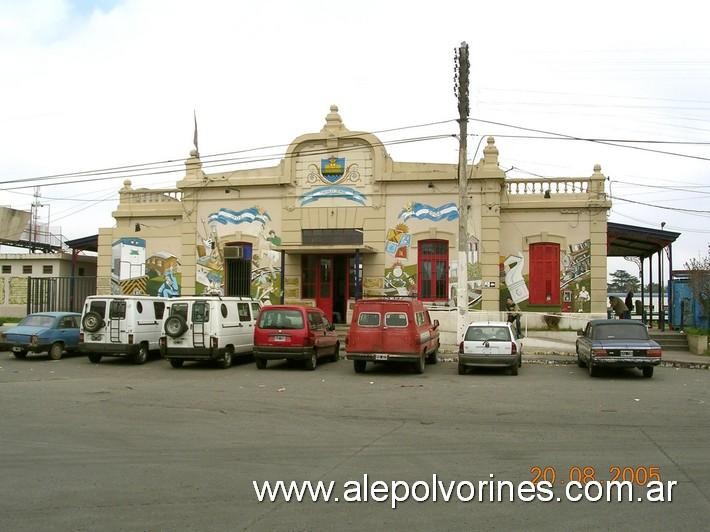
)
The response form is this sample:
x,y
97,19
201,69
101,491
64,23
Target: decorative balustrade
x,y
556,185
153,195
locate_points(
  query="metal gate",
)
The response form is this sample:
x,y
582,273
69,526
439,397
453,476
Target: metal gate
x,y
47,294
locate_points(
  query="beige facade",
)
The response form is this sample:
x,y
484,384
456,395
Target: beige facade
x,y
338,218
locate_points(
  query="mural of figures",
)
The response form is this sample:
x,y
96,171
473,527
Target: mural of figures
x,y
399,281
133,274
514,279
265,280
170,287
576,277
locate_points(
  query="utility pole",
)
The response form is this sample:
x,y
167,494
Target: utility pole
x,y
461,71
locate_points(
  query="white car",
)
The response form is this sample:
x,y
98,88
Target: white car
x,y
490,344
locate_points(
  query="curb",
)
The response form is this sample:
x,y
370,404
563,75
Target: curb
x,y
557,358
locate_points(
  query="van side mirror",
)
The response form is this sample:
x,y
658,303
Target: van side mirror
x,y
436,324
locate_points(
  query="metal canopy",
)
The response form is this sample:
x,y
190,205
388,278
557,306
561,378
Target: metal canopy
x,y
632,241
85,243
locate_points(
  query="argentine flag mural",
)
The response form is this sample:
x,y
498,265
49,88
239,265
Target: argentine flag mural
x,y
230,216
333,192
421,211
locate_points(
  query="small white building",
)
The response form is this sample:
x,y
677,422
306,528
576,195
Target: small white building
x,y
16,268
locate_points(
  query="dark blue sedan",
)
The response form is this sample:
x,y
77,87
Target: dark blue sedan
x,y
52,332
618,344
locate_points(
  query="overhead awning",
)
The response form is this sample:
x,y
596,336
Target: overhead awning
x,y
85,243
633,241
335,249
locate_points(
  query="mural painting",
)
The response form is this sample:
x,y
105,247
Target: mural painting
x,y
133,274
576,277
401,277
219,229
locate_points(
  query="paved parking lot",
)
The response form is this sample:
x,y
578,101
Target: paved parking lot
x,y
115,446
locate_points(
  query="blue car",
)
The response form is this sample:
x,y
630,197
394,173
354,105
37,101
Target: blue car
x,y
52,332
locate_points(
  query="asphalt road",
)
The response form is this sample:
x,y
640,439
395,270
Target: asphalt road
x,y
121,447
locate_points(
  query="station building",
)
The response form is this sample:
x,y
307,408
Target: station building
x,y
338,219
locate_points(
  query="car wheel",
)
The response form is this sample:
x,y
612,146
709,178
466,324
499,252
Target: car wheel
x,y
593,371
141,355
647,371
260,363
20,354
336,352
226,360
359,365
55,352
176,362
433,356
514,369
462,369
580,362
312,362
419,365
95,358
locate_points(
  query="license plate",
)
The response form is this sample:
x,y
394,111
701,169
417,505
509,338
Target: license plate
x,y
627,353
280,338
381,357
16,349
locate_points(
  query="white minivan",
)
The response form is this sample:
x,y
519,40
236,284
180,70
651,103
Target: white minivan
x,y
122,326
208,328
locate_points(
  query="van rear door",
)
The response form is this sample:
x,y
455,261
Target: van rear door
x,y
366,336
399,332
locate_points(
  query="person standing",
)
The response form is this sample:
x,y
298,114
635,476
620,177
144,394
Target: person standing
x,y
618,306
513,315
629,304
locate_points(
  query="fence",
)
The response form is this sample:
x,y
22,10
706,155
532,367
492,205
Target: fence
x,y
46,294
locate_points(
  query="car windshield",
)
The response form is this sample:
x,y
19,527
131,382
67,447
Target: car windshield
x,y
626,331
281,319
37,321
481,334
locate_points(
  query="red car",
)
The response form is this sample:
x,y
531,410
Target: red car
x,y
294,332
392,330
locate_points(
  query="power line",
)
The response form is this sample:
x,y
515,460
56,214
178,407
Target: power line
x,y
205,159
548,137
678,209
572,137
216,163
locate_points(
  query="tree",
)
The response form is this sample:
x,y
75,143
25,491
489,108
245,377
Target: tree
x,y
699,282
623,281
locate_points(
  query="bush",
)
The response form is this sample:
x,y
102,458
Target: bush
x,y
552,321
694,331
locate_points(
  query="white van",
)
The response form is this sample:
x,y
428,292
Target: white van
x,y
121,326
208,328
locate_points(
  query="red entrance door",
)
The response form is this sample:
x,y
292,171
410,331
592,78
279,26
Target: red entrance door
x,y
324,286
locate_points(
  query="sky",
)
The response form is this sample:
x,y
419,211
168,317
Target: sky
x,y
100,84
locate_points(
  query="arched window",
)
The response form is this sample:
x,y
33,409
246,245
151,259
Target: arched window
x,y
544,274
433,269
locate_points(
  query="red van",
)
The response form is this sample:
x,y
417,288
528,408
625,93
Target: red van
x,y
392,330
294,332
